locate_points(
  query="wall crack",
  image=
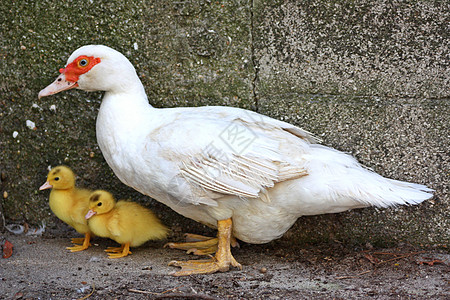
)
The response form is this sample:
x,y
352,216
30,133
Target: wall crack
x,y
255,64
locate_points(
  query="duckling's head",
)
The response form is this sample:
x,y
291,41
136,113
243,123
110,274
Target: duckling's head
x,y
59,178
100,202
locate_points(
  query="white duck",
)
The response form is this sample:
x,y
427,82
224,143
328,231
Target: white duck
x,y
246,174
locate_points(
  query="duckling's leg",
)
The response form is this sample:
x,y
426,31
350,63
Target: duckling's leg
x,y
114,249
84,246
77,240
199,244
220,262
119,252
117,249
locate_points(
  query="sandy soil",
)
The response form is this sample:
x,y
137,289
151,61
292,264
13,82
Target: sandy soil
x,y
41,268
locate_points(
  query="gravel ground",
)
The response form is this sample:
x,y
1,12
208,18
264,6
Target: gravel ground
x,y
41,268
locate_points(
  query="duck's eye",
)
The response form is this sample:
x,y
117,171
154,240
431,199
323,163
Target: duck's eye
x,y
99,204
56,178
83,62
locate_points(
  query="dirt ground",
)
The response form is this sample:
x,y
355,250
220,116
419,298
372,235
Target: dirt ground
x,y
41,268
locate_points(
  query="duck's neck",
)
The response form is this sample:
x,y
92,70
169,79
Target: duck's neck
x,y
125,107
123,113
124,118
131,91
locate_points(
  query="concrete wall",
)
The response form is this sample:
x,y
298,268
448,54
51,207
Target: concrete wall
x,y
372,80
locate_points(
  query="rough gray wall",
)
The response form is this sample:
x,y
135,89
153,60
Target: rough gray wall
x,y
372,80
370,48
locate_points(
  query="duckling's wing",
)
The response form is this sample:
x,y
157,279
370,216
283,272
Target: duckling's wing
x,y
114,226
80,206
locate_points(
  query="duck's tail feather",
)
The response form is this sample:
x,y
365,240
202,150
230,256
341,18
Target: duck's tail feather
x,y
346,178
384,192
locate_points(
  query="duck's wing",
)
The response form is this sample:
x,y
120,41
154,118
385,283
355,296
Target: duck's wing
x,y
238,155
253,119
246,175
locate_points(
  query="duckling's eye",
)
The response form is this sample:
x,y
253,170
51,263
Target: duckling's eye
x,y
83,62
56,178
99,204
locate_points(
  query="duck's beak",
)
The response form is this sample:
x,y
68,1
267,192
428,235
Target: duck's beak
x,y
89,214
59,85
45,186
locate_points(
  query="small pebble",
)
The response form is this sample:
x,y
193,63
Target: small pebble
x,y
94,259
263,270
31,124
369,245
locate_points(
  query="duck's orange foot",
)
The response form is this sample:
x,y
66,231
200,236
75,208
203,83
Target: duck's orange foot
x,y
85,243
199,244
118,252
196,244
208,266
222,260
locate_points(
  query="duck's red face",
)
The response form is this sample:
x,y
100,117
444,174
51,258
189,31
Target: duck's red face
x,y
70,75
81,65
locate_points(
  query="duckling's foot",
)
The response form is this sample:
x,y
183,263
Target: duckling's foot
x,y
85,243
199,244
219,263
118,252
77,241
116,249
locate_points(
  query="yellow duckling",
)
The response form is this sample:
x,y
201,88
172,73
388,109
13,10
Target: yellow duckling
x,y
127,223
69,203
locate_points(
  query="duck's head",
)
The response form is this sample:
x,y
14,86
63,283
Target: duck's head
x,y
94,68
59,178
100,202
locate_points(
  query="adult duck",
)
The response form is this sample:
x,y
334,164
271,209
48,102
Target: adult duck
x,y
248,175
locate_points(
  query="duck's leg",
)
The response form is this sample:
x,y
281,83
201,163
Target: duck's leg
x,y
199,244
119,252
85,243
202,246
220,262
191,237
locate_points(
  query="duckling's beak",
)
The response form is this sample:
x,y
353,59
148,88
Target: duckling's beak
x,y
45,186
59,85
89,214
